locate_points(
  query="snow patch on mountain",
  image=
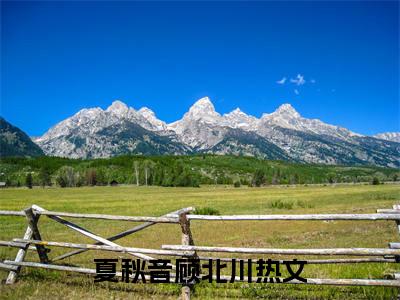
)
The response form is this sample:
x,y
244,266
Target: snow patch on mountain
x,y
389,136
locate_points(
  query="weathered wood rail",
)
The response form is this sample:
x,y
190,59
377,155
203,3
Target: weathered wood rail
x,y
32,240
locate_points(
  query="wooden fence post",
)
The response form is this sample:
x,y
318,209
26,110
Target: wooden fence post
x,y
31,231
32,222
187,240
12,276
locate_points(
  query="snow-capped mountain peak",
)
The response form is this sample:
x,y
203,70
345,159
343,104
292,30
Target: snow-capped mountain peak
x,y
118,107
286,110
203,110
202,107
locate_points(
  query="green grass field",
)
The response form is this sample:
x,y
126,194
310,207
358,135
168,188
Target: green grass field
x,y
155,201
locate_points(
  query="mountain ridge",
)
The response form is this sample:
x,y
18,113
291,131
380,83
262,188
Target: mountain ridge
x,y
203,129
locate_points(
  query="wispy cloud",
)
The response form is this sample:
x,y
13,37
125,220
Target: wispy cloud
x,y
282,81
298,80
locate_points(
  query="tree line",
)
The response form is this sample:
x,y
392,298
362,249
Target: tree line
x,y
170,171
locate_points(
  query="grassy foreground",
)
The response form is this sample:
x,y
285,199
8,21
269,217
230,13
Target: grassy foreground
x,y
155,201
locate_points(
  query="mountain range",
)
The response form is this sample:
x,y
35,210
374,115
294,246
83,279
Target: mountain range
x,y
283,134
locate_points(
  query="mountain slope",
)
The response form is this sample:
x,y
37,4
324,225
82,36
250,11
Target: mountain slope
x,y
241,143
125,137
14,142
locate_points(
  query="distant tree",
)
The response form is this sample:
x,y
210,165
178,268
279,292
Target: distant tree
x,y
79,179
395,177
331,178
375,181
91,177
101,176
44,176
65,176
148,168
28,180
258,178
274,179
136,168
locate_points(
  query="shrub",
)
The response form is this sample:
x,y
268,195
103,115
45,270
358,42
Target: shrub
x,y
207,211
375,181
278,204
236,184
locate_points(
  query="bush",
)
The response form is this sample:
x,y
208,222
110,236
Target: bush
x,y
236,184
207,211
375,181
278,204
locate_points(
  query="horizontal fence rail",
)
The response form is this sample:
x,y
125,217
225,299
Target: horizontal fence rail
x,y
32,241
322,217
333,251
20,243
171,218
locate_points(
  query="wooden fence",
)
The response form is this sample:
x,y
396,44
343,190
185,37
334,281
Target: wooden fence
x,y
32,241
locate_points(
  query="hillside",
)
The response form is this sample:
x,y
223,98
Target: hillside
x,y
15,142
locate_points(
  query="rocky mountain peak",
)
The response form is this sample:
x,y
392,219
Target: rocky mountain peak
x,y
287,110
118,107
203,109
204,104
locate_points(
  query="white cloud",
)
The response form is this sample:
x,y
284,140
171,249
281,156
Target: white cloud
x,y
282,81
299,80
296,91
313,81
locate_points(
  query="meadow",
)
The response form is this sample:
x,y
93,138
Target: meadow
x,y
156,201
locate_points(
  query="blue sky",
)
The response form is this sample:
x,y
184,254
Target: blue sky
x,y
59,57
